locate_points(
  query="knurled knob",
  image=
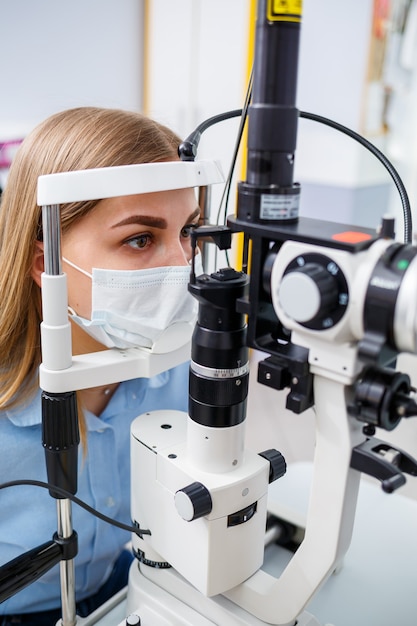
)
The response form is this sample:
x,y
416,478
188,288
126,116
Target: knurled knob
x,y
277,464
306,292
193,501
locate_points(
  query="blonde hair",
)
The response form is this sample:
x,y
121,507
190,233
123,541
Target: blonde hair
x,y
81,138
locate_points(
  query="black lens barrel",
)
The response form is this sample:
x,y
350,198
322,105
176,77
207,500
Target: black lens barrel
x,y
219,373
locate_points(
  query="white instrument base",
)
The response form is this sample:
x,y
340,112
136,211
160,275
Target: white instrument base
x,y
376,584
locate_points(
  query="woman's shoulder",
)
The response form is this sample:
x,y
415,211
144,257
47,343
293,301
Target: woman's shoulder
x,y
26,413
174,376
168,390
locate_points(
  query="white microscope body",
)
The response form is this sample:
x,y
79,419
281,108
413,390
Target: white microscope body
x,y
219,518
319,293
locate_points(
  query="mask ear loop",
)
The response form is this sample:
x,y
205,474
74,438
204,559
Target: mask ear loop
x,y
72,312
79,269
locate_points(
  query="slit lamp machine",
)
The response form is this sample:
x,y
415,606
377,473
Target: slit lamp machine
x,y
331,306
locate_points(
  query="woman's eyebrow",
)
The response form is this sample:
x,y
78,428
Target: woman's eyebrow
x,y
151,220
143,220
193,215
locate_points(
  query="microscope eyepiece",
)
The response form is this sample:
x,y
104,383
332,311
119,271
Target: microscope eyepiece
x,y
219,371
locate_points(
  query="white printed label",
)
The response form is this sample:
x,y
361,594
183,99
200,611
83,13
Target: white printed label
x,y
279,207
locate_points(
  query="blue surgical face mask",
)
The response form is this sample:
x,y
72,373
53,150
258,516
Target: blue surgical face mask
x,y
149,308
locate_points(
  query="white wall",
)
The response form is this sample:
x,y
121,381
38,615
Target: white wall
x,y
197,68
197,60
333,61
66,53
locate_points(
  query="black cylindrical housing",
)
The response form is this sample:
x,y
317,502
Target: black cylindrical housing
x,y
30,566
273,119
27,568
219,355
60,439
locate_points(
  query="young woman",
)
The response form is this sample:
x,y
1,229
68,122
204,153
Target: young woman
x,y
123,234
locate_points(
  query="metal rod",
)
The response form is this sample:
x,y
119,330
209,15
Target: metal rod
x,y
65,530
51,224
204,202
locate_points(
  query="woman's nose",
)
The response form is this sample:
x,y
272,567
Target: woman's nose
x,y
177,255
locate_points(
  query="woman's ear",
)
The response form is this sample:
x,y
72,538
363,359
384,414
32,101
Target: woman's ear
x,y
37,263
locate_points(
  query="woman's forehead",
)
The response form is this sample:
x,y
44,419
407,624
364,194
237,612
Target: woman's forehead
x,y
157,209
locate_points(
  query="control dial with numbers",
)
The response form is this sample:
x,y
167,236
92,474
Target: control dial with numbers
x,y
313,291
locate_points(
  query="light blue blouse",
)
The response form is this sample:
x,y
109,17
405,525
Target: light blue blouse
x,y
28,514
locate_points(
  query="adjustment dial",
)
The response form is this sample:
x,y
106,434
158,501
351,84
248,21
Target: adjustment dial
x,y
193,501
306,292
313,291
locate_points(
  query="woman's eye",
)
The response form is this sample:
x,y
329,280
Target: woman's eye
x,y
140,241
186,231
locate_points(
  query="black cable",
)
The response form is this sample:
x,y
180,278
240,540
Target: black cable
x,y
187,150
226,191
66,494
190,145
244,113
381,157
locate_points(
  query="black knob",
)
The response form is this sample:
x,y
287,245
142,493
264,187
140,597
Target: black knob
x,y
277,464
193,501
307,292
